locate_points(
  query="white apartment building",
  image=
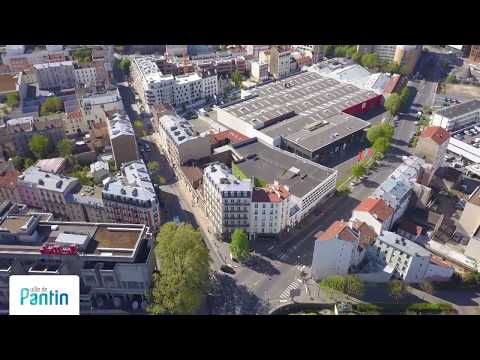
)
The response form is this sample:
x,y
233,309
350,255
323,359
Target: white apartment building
x,y
55,75
187,89
269,209
227,199
209,85
375,213
180,142
457,116
259,71
85,76
410,260
151,85
131,198
340,248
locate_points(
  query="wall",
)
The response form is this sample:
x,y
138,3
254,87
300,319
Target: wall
x,y
470,219
417,269
439,273
331,257
368,219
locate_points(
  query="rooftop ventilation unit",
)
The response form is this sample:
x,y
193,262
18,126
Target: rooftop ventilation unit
x,y
134,192
123,191
59,184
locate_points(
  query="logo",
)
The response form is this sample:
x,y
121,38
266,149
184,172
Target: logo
x,y
44,295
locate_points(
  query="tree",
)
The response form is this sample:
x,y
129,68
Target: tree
x,y
451,79
237,78
384,130
340,51
138,124
39,145
351,285
351,51
125,66
239,246
83,55
357,57
359,170
370,60
51,105
393,104
329,51
404,71
426,286
65,148
391,67
17,162
397,289
404,95
381,145
153,166
181,284
28,162
12,100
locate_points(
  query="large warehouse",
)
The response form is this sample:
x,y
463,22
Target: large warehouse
x,y
307,114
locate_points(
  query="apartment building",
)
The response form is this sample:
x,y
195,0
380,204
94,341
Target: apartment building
x,y
56,75
44,190
432,146
85,76
469,222
94,107
259,71
316,51
180,142
269,210
340,248
280,61
254,50
131,198
404,55
122,138
227,200
409,260
22,57
209,84
375,213
187,89
114,261
16,134
151,85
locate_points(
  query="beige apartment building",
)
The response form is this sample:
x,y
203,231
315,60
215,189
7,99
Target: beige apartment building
x,y
122,139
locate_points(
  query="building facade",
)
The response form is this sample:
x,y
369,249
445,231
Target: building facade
x,y
57,75
227,200
280,61
259,71
122,138
375,213
474,56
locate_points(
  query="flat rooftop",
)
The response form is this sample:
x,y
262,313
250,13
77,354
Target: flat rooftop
x,y
475,197
398,242
297,107
270,164
460,109
104,239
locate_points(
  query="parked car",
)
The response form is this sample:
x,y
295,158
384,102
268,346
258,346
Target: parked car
x,y
227,269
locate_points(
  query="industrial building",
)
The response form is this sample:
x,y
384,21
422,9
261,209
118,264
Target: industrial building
x,y
306,114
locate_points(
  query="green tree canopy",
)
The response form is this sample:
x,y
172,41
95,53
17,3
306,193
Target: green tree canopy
x,y
13,99
393,104
404,95
340,51
28,162
357,57
239,246
181,284
397,289
65,148
391,67
404,70
125,66
426,286
384,130
237,78
329,51
359,170
51,105
351,284
83,55
381,145
370,60
451,79
351,51
17,162
40,146
153,165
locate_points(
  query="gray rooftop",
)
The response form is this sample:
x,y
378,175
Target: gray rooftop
x,y
221,175
135,183
270,164
178,129
47,181
288,106
460,109
398,242
118,125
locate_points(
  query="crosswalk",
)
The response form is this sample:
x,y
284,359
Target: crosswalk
x,y
293,285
